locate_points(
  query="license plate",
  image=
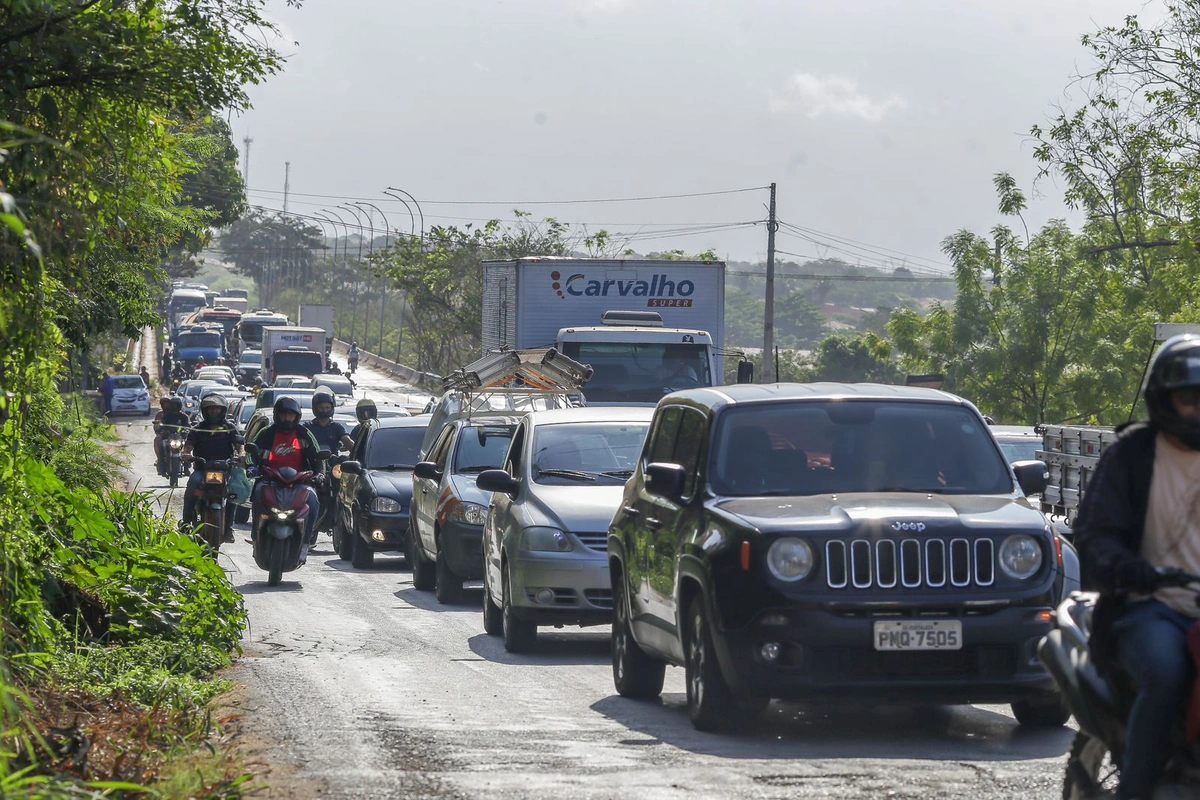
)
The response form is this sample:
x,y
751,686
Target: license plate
x,y
919,635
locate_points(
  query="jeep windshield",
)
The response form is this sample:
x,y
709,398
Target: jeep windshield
x,y
846,446
639,373
587,452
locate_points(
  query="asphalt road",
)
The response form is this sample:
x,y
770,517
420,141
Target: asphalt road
x,y
356,685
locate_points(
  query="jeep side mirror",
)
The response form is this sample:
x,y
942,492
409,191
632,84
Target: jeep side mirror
x,y
745,372
427,470
1032,476
666,480
351,467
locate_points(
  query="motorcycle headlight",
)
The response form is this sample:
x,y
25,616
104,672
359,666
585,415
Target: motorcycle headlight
x,y
214,477
790,559
176,444
1020,556
386,505
470,513
285,514
545,540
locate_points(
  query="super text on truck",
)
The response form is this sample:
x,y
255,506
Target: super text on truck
x,y
646,327
292,350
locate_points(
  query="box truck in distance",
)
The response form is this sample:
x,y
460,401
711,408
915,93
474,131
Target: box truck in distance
x,y
646,327
292,350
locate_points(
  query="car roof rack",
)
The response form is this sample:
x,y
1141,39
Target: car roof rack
x,y
545,370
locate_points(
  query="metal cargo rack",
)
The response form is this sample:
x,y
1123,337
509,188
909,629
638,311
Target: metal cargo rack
x,y
515,380
1070,454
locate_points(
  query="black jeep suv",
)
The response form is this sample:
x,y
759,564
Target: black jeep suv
x,y
812,541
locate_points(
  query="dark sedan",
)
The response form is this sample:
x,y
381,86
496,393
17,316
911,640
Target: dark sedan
x,y
375,495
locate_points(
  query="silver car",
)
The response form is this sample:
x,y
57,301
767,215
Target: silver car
x,y
546,533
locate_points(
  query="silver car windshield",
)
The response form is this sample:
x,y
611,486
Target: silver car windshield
x,y
589,452
814,447
482,447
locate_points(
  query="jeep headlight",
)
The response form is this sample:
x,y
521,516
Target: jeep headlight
x,y
470,513
790,559
386,505
1020,556
545,540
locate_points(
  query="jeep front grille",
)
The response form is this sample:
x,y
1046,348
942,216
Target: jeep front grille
x,y
909,563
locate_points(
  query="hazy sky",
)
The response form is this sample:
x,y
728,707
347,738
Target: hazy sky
x,y
881,121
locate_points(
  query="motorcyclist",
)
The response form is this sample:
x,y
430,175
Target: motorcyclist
x,y
286,443
170,418
214,439
330,435
364,411
353,357
1141,511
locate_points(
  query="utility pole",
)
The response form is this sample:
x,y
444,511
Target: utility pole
x,y
246,141
287,183
768,368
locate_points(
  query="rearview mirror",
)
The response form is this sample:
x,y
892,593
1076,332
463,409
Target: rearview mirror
x,y
745,372
427,470
352,467
1032,476
666,480
323,455
497,480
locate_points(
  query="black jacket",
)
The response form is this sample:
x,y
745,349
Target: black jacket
x,y
1111,522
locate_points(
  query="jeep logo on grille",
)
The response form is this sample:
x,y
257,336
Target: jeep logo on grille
x,y
908,526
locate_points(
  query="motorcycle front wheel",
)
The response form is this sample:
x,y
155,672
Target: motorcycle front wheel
x,y
275,572
175,470
214,524
1092,771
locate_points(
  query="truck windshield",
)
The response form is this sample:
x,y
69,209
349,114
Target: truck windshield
x,y
592,452
304,363
209,340
639,373
837,447
251,331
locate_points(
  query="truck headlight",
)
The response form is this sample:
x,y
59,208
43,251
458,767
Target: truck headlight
x,y
1020,556
386,505
546,540
790,559
470,513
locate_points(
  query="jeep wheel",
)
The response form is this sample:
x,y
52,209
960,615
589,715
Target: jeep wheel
x,y
1047,713
635,674
341,540
519,635
493,615
422,568
448,586
711,704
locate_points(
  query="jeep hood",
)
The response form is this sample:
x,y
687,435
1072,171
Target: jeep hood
x,y
881,512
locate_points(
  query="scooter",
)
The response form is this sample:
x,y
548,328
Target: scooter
x,y
1101,706
279,532
173,453
214,497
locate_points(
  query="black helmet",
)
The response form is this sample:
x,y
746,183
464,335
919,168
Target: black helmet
x,y
323,394
354,344
175,403
286,404
214,401
365,410
1176,365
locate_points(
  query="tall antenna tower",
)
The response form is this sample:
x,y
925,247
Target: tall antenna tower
x,y
246,140
287,183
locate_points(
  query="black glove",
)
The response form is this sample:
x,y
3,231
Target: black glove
x,y
1136,574
318,481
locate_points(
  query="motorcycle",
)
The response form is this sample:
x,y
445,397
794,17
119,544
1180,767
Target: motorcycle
x,y
1101,706
173,454
214,501
279,532
327,494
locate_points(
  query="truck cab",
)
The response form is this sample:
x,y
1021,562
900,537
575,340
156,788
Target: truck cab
x,y
199,343
635,360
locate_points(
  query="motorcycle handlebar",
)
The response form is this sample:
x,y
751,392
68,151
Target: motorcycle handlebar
x,y
1169,577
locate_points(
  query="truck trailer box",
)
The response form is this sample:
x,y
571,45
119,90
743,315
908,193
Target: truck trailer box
x,y
311,315
527,301
292,339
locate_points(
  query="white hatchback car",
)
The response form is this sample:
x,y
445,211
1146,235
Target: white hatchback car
x,y
130,395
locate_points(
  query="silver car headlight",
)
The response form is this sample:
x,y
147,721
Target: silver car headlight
x,y
546,540
470,513
386,505
1020,556
790,559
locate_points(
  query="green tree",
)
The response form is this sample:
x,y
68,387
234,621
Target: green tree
x,y
859,359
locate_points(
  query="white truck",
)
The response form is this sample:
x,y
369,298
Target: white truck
x,y
311,315
236,303
646,327
292,350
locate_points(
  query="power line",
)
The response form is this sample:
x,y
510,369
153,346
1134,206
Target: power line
x,y
816,237
535,202
854,278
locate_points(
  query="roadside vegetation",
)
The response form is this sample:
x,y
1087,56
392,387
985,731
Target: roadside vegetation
x,y
113,168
